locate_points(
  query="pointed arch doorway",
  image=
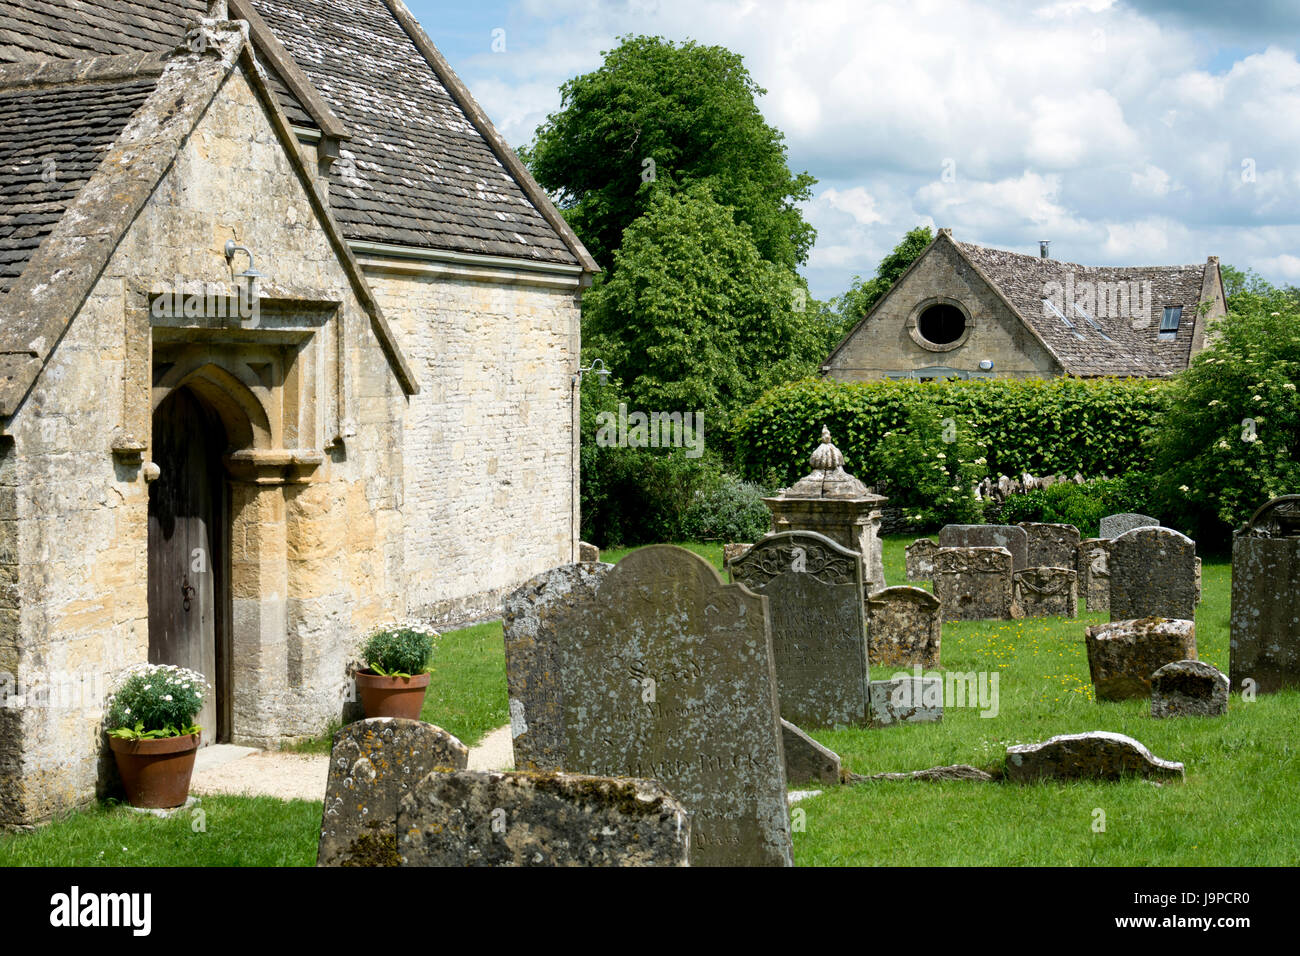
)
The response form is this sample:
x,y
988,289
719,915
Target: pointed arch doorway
x,y
189,528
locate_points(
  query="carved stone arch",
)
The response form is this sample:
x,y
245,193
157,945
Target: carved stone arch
x,y
241,412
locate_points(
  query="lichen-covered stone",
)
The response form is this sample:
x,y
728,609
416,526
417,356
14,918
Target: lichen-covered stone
x,y
668,675
1112,526
1152,574
920,559
1098,755
960,771
807,761
1123,655
1012,537
1051,545
1093,573
490,818
814,600
734,550
1265,622
1189,689
1046,592
588,553
904,628
906,700
533,625
975,584
372,765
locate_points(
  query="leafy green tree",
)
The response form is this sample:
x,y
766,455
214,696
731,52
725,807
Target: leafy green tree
x,y
693,318
1230,437
660,113
865,293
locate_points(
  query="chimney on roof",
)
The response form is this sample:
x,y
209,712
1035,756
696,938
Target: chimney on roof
x,y
1042,248
217,10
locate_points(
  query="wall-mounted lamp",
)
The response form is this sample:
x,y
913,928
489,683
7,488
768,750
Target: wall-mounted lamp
x,y
249,273
986,365
597,366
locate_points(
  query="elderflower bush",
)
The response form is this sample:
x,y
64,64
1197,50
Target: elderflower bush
x,y
931,466
156,700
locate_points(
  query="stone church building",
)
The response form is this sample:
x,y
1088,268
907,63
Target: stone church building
x,y
966,311
289,349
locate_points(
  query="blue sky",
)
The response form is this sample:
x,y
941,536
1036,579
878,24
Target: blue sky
x,y
1128,133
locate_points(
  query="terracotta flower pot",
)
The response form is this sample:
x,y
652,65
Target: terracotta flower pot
x,y
392,696
156,773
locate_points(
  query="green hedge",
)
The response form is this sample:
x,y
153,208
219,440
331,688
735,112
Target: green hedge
x,y
1097,427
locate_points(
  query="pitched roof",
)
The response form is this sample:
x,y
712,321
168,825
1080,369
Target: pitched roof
x,y
54,140
85,226
1115,330
423,167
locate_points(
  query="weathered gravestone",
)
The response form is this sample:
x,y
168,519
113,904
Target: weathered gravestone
x,y
1098,755
734,550
588,552
814,598
490,818
807,761
904,628
1093,572
920,559
1265,628
668,675
373,764
532,621
1112,526
1189,689
1123,655
906,699
1046,592
974,584
1009,536
1051,545
1152,574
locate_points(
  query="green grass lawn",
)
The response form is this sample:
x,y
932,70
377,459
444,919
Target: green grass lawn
x,y
1238,805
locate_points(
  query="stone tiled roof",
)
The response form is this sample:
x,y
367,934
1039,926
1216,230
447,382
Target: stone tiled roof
x,y
416,170
54,139
1112,343
422,167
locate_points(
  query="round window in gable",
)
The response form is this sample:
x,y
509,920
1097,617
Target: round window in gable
x,y
941,324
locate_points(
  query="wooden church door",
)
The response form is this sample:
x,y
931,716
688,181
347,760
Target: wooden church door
x,y
187,528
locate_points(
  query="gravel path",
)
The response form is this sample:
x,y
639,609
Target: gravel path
x,y
289,776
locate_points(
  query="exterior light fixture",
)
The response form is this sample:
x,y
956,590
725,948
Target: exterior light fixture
x,y
986,365
597,366
251,272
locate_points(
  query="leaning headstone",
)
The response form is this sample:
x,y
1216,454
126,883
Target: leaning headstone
x,y
668,675
1265,628
906,699
1051,545
1009,536
1098,755
1093,572
1046,592
807,761
1123,655
1189,689
1152,574
814,596
730,552
588,553
1198,580
1112,526
490,818
373,764
920,559
532,621
904,628
974,584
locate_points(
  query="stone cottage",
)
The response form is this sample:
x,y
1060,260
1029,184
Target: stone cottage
x,y
289,349
966,311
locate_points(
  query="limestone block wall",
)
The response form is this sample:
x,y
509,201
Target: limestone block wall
x,y
319,563
489,462
883,344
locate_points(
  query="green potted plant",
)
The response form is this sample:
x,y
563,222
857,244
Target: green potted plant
x,y
151,731
396,675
